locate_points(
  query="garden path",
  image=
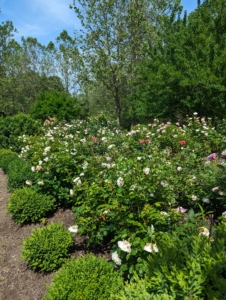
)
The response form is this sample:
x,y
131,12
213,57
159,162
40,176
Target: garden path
x,y
17,282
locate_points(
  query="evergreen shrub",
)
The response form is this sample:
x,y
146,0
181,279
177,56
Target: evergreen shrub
x,y
87,278
14,126
26,205
55,104
19,172
6,156
47,248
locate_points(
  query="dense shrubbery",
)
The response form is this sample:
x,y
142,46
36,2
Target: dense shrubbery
x,y
119,182
55,104
26,205
18,125
18,173
143,190
87,278
184,268
47,248
6,156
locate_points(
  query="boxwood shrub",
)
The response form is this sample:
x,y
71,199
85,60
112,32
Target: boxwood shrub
x,y
87,278
26,205
47,248
6,156
18,172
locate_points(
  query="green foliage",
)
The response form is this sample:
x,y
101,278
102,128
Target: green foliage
x,y
55,104
18,173
185,70
185,267
13,127
87,278
193,266
6,156
26,205
113,70
80,164
137,290
24,69
120,183
47,248
133,291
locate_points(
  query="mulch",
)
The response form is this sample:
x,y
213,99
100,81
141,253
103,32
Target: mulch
x,y
17,281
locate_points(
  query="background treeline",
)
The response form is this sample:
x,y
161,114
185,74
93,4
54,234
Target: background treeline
x,y
132,61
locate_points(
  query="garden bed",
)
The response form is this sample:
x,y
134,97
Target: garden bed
x,y
17,281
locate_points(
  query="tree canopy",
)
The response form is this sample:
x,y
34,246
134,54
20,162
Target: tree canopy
x,y
132,61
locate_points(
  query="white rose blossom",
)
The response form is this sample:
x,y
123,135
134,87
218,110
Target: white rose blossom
x,y
164,213
105,165
164,183
47,149
223,153
116,258
111,146
73,228
149,247
85,165
215,189
205,200
146,170
73,152
181,210
124,246
120,182
204,231
132,188
77,181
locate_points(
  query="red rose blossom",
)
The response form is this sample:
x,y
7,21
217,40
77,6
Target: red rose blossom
x,y
183,142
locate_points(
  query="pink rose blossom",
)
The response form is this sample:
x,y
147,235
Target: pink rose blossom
x,y
181,210
212,156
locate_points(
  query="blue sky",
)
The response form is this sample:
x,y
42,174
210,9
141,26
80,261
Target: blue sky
x,y
45,19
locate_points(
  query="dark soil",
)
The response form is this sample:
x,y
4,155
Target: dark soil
x,y
17,281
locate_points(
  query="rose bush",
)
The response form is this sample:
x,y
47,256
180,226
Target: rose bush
x,y
120,183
